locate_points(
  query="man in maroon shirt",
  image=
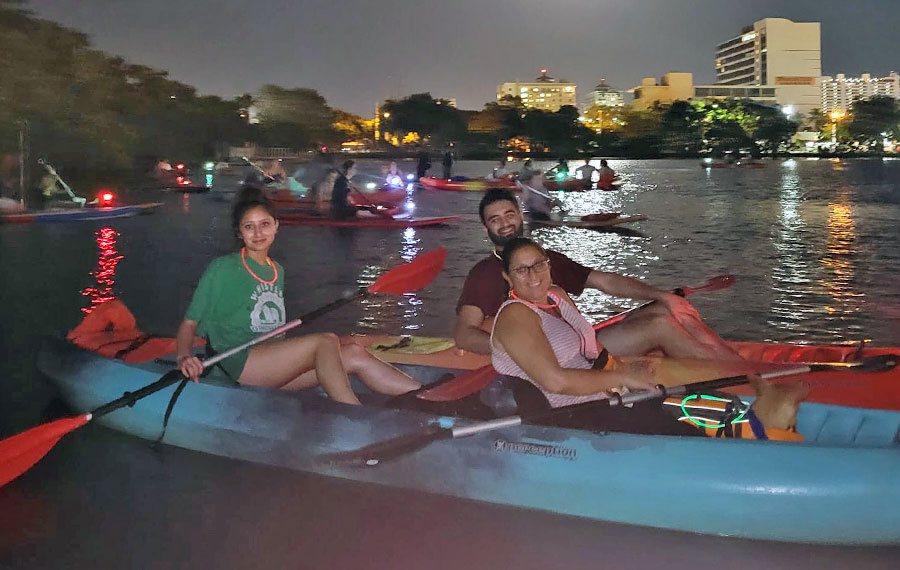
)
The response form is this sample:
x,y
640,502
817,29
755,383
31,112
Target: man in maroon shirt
x,y
671,324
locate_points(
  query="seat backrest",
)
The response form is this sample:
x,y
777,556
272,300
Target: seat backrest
x,y
510,395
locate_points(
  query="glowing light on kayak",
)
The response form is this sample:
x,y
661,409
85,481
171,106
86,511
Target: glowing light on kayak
x,y
106,197
370,185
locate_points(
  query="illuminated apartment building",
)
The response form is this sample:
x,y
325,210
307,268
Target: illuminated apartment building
x,y
543,93
604,96
840,92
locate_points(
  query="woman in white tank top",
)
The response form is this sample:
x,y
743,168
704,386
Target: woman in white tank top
x,y
540,336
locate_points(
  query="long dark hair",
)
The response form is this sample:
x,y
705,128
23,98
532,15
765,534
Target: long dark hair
x,y
514,245
248,198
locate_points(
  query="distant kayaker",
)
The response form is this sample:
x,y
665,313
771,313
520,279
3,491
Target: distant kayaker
x,y
527,170
670,325
560,169
241,295
447,163
341,208
319,196
536,198
500,170
586,172
394,177
423,164
274,171
607,176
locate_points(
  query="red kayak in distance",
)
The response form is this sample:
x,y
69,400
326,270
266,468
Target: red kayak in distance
x,y
303,219
566,185
387,197
471,185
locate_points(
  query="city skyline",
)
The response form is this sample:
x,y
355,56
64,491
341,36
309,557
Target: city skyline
x,y
357,54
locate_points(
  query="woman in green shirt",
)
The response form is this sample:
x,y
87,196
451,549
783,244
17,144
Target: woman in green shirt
x,y
241,296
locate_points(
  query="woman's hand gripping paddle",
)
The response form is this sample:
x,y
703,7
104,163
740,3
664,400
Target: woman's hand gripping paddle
x,y
19,452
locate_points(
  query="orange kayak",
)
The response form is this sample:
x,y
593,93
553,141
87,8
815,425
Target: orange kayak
x,y
875,390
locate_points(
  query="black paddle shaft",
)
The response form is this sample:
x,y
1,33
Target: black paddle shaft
x,y
129,398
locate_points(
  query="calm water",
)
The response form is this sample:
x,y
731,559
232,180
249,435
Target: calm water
x,y
814,244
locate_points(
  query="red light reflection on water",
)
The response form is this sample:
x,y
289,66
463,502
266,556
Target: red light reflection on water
x,y
105,274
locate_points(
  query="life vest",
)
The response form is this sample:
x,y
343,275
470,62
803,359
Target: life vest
x,y
111,330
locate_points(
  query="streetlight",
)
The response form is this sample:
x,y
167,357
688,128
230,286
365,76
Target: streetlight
x,y
835,117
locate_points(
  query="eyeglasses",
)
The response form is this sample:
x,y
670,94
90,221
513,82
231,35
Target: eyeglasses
x,y
538,267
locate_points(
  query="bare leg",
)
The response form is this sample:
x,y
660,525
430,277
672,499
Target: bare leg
x,y
281,364
653,328
377,375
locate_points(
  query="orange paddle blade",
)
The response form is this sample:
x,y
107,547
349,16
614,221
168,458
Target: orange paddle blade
x,y
413,275
19,452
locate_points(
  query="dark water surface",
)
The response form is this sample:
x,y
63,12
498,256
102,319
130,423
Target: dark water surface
x,y
815,246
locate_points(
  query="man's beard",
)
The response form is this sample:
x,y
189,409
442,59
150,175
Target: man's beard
x,y
501,241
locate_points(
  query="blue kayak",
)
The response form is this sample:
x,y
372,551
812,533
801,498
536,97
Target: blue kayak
x,y
840,486
79,214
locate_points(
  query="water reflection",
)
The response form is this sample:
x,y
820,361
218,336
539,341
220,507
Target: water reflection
x,y
392,312
792,275
604,251
105,273
838,259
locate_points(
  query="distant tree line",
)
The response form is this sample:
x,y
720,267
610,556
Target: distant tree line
x,y
86,110
681,128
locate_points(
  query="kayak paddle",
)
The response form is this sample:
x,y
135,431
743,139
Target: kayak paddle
x,y
393,448
716,283
21,451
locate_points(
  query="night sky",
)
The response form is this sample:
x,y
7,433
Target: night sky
x,y
358,52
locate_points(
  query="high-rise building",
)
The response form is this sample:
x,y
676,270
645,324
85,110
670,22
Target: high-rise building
x,y
604,96
543,93
775,52
840,92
